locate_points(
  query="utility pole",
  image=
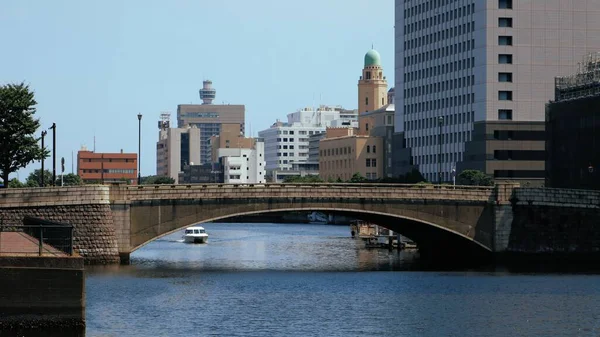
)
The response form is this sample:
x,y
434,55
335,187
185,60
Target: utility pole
x,y
53,127
139,116
43,149
62,171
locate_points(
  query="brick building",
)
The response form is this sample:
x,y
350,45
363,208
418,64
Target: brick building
x,y
105,168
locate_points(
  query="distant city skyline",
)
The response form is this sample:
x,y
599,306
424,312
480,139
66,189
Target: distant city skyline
x,y
95,66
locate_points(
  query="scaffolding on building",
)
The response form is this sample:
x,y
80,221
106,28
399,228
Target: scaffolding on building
x,y
584,83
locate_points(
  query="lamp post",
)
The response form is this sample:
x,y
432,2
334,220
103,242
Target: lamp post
x,y
440,123
139,116
53,127
43,148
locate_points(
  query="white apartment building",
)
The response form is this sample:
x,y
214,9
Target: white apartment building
x,y
479,73
176,147
288,143
243,166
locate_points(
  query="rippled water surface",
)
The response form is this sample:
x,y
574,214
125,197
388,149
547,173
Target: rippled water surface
x,y
313,280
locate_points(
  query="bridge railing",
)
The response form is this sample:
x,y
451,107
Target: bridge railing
x,y
36,237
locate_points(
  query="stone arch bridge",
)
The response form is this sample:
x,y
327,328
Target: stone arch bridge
x,y
113,221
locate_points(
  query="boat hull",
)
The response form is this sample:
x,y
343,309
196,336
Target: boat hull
x,y
195,239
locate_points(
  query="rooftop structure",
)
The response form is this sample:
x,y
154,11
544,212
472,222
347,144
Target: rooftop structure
x,y
584,83
207,93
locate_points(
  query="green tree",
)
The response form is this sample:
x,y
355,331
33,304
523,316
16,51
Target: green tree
x,y
15,183
18,145
357,178
70,179
153,180
35,179
474,178
303,179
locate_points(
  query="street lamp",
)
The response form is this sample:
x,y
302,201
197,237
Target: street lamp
x,y
44,132
440,123
53,127
139,147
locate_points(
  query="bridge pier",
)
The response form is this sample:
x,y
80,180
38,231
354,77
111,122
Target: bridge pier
x,y
125,258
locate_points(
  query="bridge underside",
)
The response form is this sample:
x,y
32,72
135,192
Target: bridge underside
x,y
450,230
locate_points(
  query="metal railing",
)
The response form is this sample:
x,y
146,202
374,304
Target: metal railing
x,y
36,237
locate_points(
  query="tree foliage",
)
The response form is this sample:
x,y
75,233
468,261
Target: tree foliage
x,y
303,179
70,179
15,183
357,178
35,178
475,178
155,180
18,145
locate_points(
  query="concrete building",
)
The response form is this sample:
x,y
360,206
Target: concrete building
x,y
209,118
573,129
106,168
470,69
288,143
243,166
176,148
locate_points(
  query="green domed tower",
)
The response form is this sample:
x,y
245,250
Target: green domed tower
x,y
372,86
372,58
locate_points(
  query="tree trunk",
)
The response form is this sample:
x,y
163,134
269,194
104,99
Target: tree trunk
x,y
5,179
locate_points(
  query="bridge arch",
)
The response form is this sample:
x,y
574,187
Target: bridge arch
x,y
432,238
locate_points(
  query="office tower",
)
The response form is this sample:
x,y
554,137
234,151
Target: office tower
x,y
473,77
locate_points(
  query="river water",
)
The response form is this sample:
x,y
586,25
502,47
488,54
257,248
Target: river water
x,y
313,280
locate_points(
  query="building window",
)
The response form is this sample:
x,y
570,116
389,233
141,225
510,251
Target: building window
x,y
505,4
505,114
374,149
382,101
368,149
367,126
368,162
505,40
505,59
505,22
505,77
505,95
368,75
366,100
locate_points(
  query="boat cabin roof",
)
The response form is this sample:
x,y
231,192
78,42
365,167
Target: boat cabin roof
x,y
196,227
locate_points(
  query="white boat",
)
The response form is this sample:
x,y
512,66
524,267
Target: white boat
x,y
195,235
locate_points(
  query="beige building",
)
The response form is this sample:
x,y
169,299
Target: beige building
x,y
229,137
346,151
209,118
342,157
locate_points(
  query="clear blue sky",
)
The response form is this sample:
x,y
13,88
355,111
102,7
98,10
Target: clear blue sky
x,y
95,64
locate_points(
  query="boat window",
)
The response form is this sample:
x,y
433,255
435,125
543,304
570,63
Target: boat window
x,y
188,231
196,231
202,231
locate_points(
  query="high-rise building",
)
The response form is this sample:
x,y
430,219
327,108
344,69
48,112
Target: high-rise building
x,y
105,168
208,118
176,148
470,71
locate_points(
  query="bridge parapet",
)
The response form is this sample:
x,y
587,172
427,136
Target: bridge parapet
x,y
556,197
53,196
321,190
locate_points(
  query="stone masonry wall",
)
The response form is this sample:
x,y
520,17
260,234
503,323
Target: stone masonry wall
x,y
86,208
549,220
